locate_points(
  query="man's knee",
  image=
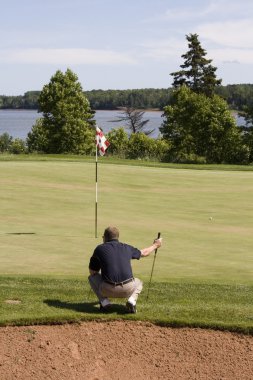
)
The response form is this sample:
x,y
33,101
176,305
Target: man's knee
x,y
138,284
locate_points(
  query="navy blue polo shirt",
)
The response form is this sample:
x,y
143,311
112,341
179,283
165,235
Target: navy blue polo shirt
x,y
114,260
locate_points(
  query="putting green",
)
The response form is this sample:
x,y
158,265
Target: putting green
x,y
205,217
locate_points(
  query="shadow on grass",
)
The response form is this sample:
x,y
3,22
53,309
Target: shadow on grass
x,y
20,233
85,307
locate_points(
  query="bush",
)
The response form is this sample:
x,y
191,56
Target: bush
x,y
5,142
18,146
161,149
118,139
185,158
139,146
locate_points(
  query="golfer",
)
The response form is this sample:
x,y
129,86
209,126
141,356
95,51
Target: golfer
x,y
116,280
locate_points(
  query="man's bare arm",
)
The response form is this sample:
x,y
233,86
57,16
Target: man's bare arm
x,y
146,251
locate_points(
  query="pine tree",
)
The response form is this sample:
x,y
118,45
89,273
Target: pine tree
x,y
197,72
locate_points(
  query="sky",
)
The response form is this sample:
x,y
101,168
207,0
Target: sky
x,y
120,44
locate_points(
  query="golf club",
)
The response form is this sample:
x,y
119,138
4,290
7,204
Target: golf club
x,y
158,236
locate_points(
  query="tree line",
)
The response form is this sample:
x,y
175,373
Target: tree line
x,y
238,96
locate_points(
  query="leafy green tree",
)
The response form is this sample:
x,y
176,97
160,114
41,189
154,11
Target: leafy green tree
x,y
66,125
197,71
202,127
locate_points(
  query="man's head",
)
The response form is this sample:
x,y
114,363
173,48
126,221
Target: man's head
x,y
111,233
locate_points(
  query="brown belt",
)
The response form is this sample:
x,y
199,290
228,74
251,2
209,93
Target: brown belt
x,y
119,283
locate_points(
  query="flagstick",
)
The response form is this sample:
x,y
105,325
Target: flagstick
x,y
101,144
96,204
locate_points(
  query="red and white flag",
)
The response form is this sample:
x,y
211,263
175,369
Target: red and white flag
x,y
101,142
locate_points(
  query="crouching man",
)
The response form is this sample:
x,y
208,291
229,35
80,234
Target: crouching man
x,y
115,280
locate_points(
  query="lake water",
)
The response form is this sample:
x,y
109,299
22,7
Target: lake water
x,y
17,123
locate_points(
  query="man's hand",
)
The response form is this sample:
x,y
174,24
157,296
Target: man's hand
x,y
146,251
158,243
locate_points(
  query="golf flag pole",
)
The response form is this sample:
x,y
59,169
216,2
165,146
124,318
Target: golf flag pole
x,y
96,202
101,145
158,237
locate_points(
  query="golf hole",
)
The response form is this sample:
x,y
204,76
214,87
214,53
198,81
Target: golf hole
x,y
13,302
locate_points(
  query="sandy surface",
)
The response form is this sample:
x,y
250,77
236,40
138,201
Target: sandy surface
x,y
123,351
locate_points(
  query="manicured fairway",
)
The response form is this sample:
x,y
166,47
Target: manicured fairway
x,y
205,217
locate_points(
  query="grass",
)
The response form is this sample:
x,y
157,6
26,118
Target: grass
x,y
47,219
120,161
203,273
50,300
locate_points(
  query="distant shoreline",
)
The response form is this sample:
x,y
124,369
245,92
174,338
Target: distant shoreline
x,y
100,109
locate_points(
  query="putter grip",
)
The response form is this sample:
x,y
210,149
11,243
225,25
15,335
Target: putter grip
x,y
158,237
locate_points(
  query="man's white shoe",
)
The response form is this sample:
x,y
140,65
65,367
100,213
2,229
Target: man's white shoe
x,y
105,302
